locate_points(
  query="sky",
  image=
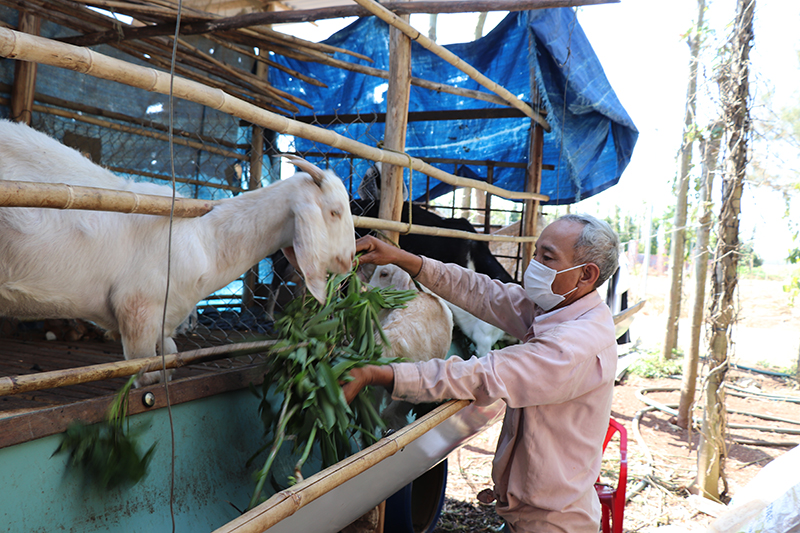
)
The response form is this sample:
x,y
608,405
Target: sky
x,y
646,59
640,46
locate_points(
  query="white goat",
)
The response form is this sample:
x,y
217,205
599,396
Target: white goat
x,y
419,332
111,268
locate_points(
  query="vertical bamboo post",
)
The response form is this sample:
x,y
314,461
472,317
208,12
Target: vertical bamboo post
x,y
24,88
486,199
533,183
256,164
396,123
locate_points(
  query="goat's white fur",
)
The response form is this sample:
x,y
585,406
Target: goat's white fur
x,y
419,332
111,268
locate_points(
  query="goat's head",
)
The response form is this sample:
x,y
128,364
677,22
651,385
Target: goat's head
x,y
391,276
324,237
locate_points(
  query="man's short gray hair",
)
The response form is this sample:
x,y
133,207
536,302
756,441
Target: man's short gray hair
x,y
597,243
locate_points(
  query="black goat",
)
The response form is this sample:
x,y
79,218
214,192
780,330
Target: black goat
x,y
464,252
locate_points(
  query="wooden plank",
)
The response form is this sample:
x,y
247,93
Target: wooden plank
x,y
39,423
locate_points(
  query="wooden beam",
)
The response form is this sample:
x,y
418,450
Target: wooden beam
x,y
533,183
283,17
394,137
24,88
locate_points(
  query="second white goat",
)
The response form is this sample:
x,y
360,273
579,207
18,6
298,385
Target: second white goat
x,y
419,332
111,268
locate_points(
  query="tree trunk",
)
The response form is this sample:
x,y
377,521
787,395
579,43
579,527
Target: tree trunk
x,y
678,248
433,20
479,25
726,256
710,150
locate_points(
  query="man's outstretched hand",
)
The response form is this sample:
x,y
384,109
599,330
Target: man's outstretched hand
x,y
367,375
377,252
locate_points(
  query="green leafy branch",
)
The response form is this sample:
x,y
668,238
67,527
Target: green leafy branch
x,y
319,345
107,452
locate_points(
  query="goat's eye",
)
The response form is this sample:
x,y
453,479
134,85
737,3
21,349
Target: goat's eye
x,y
336,213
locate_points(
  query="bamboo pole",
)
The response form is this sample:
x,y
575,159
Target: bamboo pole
x,y
270,35
24,88
287,502
85,374
256,164
63,196
372,71
533,183
138,131
263,60
119,117
394,136
126,32
15,45
390,18
155,52
404,227
243,76
166,177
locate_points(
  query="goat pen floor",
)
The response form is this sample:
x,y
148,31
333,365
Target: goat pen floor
x,y
33,355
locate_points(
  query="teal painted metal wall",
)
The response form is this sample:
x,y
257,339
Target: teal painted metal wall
x,y
214,439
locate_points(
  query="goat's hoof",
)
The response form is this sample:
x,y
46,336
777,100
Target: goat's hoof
x,y
151,378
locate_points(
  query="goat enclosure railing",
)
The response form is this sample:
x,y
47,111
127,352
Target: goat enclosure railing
x,y
218,154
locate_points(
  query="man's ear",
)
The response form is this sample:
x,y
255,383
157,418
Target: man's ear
x,y
590,275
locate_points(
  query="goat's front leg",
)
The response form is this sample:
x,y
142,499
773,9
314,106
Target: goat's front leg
x,y
140,330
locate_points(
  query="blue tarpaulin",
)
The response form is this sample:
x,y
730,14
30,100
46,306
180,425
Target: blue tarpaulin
x,y
592,136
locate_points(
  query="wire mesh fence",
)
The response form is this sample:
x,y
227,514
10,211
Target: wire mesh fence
x,y
213,156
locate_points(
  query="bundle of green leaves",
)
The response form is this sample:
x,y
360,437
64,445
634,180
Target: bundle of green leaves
x,y
107,452
319,344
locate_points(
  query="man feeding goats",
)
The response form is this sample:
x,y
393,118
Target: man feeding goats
x,y
557,384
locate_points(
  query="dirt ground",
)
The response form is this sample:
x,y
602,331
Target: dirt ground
x,y
662,457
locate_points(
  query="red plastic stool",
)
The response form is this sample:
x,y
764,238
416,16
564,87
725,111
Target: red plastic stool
x,y
612,499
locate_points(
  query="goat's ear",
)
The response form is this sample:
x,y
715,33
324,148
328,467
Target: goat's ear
x,y
310,238
312,170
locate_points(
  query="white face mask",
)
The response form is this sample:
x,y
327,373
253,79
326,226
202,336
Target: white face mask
x,y
538,284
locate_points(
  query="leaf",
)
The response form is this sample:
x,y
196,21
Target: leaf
x,y
323,328
105,452
318,344
300,355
